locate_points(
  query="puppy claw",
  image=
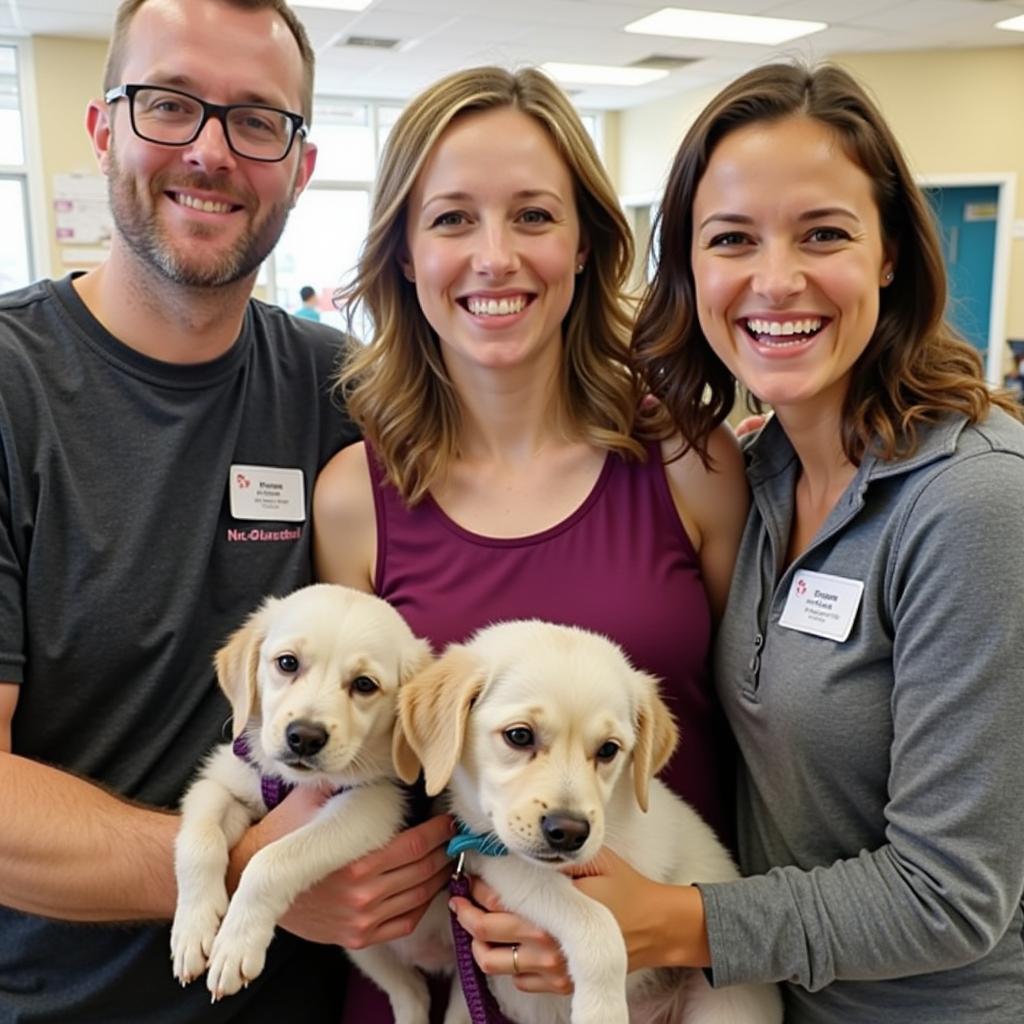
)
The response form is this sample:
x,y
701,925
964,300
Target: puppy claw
x,y
238,957
192,936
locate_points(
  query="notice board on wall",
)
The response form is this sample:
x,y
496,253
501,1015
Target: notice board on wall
x,y
81,209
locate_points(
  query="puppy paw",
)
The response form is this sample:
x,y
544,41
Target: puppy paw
x,y
192,937
238,955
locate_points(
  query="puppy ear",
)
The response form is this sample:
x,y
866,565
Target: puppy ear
x,y
656,738
432,711
416,656
236,664
407,764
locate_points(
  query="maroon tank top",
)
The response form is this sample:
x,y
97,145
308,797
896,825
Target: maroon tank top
x,y
621,565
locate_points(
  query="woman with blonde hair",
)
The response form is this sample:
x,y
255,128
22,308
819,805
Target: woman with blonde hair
x,y
502,475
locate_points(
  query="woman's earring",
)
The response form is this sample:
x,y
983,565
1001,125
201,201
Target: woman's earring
x,y
579,268
889,275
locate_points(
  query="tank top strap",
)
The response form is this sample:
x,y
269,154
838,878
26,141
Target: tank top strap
x,y
389,508
639,492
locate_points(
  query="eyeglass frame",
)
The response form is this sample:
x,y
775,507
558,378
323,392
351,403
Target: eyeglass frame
x,y
219,111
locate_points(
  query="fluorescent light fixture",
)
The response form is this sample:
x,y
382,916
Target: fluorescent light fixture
x,y
1012,24
728,28
335,5
602,74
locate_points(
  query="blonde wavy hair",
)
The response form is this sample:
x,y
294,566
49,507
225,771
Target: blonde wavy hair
x,y
915,368
396,387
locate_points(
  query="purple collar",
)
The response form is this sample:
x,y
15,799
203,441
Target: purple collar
x,y
273,788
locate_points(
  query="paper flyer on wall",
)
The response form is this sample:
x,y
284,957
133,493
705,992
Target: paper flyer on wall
x,y
81,209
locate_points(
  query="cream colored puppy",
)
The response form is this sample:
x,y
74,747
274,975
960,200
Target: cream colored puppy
x,y
313,682
549,739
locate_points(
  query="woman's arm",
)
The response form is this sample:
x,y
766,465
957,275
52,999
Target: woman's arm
x,y
712,505
345,521
941,887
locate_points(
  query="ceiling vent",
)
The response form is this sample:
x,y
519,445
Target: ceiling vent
x,y
370,42
664,62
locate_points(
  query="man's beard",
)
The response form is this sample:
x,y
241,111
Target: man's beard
x,y
139,225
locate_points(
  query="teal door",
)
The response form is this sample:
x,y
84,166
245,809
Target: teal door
x,y
967,216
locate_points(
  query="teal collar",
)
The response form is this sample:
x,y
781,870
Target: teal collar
x,y
486,843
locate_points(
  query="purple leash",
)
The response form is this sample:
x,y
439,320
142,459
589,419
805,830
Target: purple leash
x,y
483,1009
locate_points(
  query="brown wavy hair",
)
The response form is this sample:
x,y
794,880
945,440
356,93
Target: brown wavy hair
x,y
396,387
915,367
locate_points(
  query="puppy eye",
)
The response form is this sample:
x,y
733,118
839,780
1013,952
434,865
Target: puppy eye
x,y
287,663
607,751
519,736
363,684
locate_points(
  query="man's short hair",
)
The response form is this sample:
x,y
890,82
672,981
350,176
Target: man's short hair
x,y
307,292
128,9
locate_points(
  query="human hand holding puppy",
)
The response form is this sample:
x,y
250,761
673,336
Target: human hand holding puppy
x,y
377,898
539,965
663,926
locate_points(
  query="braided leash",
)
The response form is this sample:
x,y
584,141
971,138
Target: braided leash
x,y
483,1008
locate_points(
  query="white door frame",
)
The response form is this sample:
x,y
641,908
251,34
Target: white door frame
x,y
1006,184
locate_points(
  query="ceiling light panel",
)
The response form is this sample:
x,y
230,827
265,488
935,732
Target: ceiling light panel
x,y
601,74
335,5
1012,24
729,28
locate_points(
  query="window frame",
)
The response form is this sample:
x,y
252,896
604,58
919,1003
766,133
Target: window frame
x,y
270,273
30,171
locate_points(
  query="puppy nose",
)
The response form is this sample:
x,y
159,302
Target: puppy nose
x,y
305,738
565,831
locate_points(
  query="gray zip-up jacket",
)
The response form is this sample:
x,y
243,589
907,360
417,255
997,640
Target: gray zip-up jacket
x,y
881,792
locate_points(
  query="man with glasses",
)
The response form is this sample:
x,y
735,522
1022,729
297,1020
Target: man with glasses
x,y
142,405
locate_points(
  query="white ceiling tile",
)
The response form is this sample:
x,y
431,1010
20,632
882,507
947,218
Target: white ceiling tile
x,y
447,34
831,11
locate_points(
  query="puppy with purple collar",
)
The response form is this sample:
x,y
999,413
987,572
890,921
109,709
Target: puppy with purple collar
x,y
313,681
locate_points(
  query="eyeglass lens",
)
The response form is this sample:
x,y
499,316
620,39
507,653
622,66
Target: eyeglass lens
x,y
170,117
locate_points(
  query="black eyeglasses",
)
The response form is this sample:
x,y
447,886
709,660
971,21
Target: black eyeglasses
x,y
171,117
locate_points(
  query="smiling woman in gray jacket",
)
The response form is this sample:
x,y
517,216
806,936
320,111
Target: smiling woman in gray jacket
x,y
870,658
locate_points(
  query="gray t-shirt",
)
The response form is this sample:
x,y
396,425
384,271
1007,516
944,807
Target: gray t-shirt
x,y
122,570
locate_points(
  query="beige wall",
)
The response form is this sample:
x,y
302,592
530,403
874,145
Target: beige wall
x,y
954,111
69,73
958,111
